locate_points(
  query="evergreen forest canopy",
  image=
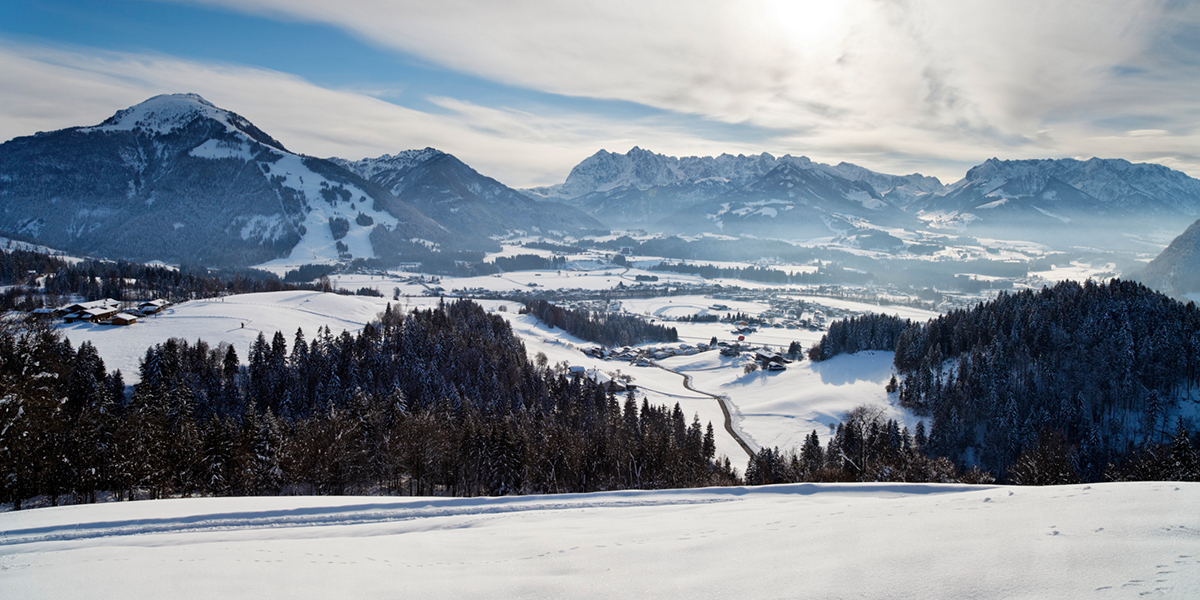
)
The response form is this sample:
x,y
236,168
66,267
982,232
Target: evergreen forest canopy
x,y
609,329
1076,382
440,401
39,279
1091,372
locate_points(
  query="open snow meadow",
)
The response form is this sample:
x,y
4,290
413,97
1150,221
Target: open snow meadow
x,y
1115,540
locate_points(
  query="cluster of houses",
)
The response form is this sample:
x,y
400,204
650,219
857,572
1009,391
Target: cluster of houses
x,y
642,356
610,383
771,361
106,311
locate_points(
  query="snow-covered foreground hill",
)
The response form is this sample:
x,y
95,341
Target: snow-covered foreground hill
x,y
798,541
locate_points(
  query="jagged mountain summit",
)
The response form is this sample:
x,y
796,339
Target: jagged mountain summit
x,y
1056,202
178,179
1067,197
644,189
447,190
1177,270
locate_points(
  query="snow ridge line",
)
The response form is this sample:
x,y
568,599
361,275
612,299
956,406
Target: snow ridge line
x,y
306,517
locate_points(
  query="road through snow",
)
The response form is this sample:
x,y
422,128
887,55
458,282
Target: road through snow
x,y
721,400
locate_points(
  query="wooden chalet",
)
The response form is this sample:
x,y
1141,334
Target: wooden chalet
x,y
123,319
94,311
96,315
151,307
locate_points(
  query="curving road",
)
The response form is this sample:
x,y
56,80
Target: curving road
x,y
687,383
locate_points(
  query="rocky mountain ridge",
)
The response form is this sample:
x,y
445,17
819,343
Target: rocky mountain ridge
x,y
178,179
446,189
1054,201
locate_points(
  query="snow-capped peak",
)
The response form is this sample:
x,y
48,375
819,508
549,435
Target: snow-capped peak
x,y
166,113
640,168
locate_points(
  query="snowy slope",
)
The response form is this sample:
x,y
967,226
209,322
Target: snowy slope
x,y
905,541
167,113
1177,270
789,202
778,409
659,386
236,320
449,191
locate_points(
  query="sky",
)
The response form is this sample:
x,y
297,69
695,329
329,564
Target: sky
x,y
523,90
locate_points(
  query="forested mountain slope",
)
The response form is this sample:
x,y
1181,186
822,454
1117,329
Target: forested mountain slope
x,y
1092,372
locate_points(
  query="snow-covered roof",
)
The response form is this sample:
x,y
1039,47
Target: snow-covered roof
x,y
80,306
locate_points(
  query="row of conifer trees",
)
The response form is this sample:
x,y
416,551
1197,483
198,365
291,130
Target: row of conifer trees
x,y
441,401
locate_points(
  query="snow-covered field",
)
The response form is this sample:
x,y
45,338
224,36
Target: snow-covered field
x,y
781,408
1076,271
234,319
1125,540
767,409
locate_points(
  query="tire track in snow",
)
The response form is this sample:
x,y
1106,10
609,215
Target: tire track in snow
x,y
361,514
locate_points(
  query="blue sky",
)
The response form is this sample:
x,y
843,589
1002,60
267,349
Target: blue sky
x,y
524,90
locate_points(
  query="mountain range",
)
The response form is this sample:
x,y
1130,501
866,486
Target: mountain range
x,y
178,179
1053,201
1080,201
643,189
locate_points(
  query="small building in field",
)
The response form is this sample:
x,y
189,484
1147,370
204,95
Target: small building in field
x,y
152,306
96,315
123,319
767,357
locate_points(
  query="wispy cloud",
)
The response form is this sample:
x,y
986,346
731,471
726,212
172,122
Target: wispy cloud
x,y
46,88
945,79
894,85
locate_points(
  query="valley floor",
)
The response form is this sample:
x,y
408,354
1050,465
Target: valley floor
x,y
1116,540
767,409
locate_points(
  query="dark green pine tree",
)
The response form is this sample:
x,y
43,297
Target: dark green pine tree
x,y
1182,463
